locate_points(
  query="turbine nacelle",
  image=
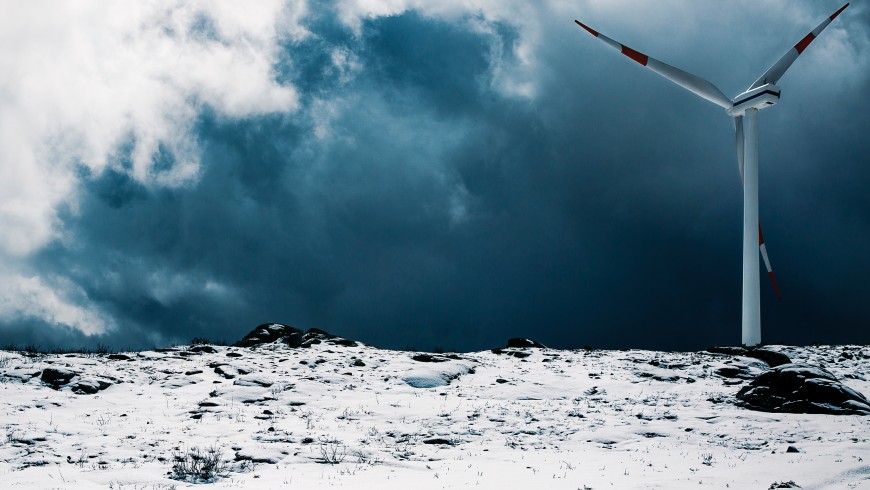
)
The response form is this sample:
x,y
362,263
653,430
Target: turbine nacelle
x,y
758,98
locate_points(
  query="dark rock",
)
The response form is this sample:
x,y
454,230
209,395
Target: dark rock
x,y
735,371
252,381
226,371
316,333
343,342
257,458
203,348
439,440
192,372
792,449
728,350
801,388
307,440
119,357
511,352
89,386
57,377
316,336
521,342
359,363
428,358
785,484
268,333
773,359
233,354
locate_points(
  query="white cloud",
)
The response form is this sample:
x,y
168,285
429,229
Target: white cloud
x,y
57,302
79,78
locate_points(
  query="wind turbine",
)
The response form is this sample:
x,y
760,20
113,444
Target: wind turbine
x,y
744,108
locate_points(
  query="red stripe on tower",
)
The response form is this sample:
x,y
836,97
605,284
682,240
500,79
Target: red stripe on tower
x,y
591,30
838,12
802,45
635,55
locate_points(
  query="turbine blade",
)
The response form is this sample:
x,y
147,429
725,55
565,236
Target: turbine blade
x,y
763,250
775,72
692,83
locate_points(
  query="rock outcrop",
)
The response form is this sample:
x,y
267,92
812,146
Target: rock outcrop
x,y
802,388
522,342
57,377
269,333
772,358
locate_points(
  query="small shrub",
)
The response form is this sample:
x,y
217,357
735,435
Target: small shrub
x,y
331,452
707,459
199,466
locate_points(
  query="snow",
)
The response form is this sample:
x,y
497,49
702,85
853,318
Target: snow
x,y
315,418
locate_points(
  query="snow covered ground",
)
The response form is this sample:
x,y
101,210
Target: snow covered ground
x,y
331,416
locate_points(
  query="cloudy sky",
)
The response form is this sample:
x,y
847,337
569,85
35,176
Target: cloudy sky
x,y
422,174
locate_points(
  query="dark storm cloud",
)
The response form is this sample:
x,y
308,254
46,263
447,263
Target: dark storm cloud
x,y
410,203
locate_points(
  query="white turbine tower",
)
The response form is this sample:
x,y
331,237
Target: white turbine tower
x,y
744,108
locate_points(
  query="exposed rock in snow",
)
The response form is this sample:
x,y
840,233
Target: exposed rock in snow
x,y
802,388
89,386
429,358
57,377
269,333
771,357
521,342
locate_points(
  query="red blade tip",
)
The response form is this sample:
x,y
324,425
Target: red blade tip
x,y
838,12
589,29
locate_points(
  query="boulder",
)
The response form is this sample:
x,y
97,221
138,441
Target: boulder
x,y
268,333
57,377
429,358
203,348
521,342
89,386
772,358
740,371
728,350
316,336
802,388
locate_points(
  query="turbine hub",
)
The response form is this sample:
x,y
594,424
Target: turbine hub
x,y
757,98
